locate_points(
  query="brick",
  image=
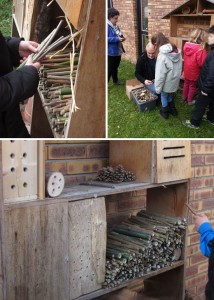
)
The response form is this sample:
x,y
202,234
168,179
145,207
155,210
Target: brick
x,y
197,160
201,289
203,267
191,271
134,203
66,152
85,166
208,204
192,282
194,239
196,259
204,149
193,249
59,166
203,193
209,159
203,171
100,150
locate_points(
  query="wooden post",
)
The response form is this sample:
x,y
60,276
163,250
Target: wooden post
x,y
89,120
2,281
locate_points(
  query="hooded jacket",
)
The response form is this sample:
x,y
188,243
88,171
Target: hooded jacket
x,y
206,79
194,58
15,86
168,70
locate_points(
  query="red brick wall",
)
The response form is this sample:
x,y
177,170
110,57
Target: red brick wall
x,y
128,26
202,200
157,9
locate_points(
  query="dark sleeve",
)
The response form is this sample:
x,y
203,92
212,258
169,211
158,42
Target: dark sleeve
x,y
139,70
13,47
208,84
17,86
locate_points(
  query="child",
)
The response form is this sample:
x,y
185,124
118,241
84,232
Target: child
x,y
115,46
207,248
167,73
194,56
206,87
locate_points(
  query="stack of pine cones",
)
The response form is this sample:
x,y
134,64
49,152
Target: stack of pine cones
x,y
115,175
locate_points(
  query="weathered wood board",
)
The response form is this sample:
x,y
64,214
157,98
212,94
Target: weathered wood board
x,y
36,243
87,246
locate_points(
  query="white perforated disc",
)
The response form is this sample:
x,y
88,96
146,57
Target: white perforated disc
x,y
55,184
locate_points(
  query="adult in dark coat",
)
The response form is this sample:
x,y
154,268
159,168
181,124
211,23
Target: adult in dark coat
x,y
145,68
15,85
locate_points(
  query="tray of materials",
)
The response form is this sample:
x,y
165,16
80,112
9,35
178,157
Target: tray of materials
x,y
144,99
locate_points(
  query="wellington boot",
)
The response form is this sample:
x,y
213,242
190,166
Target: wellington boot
x,y
164,112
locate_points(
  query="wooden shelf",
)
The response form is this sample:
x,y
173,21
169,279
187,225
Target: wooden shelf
x,y
84,191
102,292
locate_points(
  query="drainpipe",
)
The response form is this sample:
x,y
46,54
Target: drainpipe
x,y
139,27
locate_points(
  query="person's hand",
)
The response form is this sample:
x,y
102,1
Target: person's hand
x,y
30,63
122,39
200,219
26,48
203,93
148,82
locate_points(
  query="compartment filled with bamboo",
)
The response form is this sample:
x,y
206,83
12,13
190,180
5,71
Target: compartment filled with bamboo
x,y
142,244
57,80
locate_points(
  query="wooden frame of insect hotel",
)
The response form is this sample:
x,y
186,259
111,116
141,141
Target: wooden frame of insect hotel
x,y
70,101
93,239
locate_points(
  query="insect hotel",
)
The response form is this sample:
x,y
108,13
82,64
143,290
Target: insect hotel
x,y
190,15
67,232
70,101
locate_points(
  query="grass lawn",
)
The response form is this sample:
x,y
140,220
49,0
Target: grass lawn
x,y
125,121
5,17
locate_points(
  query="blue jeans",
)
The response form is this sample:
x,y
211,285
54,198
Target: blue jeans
x,y
151,88
165,99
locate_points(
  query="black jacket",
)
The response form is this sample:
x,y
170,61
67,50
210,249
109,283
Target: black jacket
x,y
143,70
206,79
15,86
209,291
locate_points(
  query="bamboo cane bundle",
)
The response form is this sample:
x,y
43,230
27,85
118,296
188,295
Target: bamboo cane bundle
x,y
144,243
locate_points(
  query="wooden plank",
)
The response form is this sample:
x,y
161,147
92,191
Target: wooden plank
x,y
1,228
87,253
75,10
173,26
36,240
173,160
28,24
41,169
130,283
19,170
168,200
89,121
135,156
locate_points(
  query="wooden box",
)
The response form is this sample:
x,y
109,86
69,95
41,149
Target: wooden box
x,y
132,84
153,161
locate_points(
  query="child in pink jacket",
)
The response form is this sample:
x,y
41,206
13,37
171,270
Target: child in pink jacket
x,y
194,57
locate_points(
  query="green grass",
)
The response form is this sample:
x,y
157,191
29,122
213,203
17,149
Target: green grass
x,y
5,17
125,121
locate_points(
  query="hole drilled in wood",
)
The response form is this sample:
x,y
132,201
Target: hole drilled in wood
x,y
12,155
24,154
12,169
13,186
25,184
12,141
25,169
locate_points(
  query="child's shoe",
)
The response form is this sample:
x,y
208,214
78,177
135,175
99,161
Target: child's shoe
x,y
187,123
205,119
192,102
164,112
172,109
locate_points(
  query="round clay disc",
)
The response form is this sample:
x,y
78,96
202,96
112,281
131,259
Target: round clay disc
x,y
55,184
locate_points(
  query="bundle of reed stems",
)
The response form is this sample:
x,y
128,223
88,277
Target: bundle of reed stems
x,y
142,244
